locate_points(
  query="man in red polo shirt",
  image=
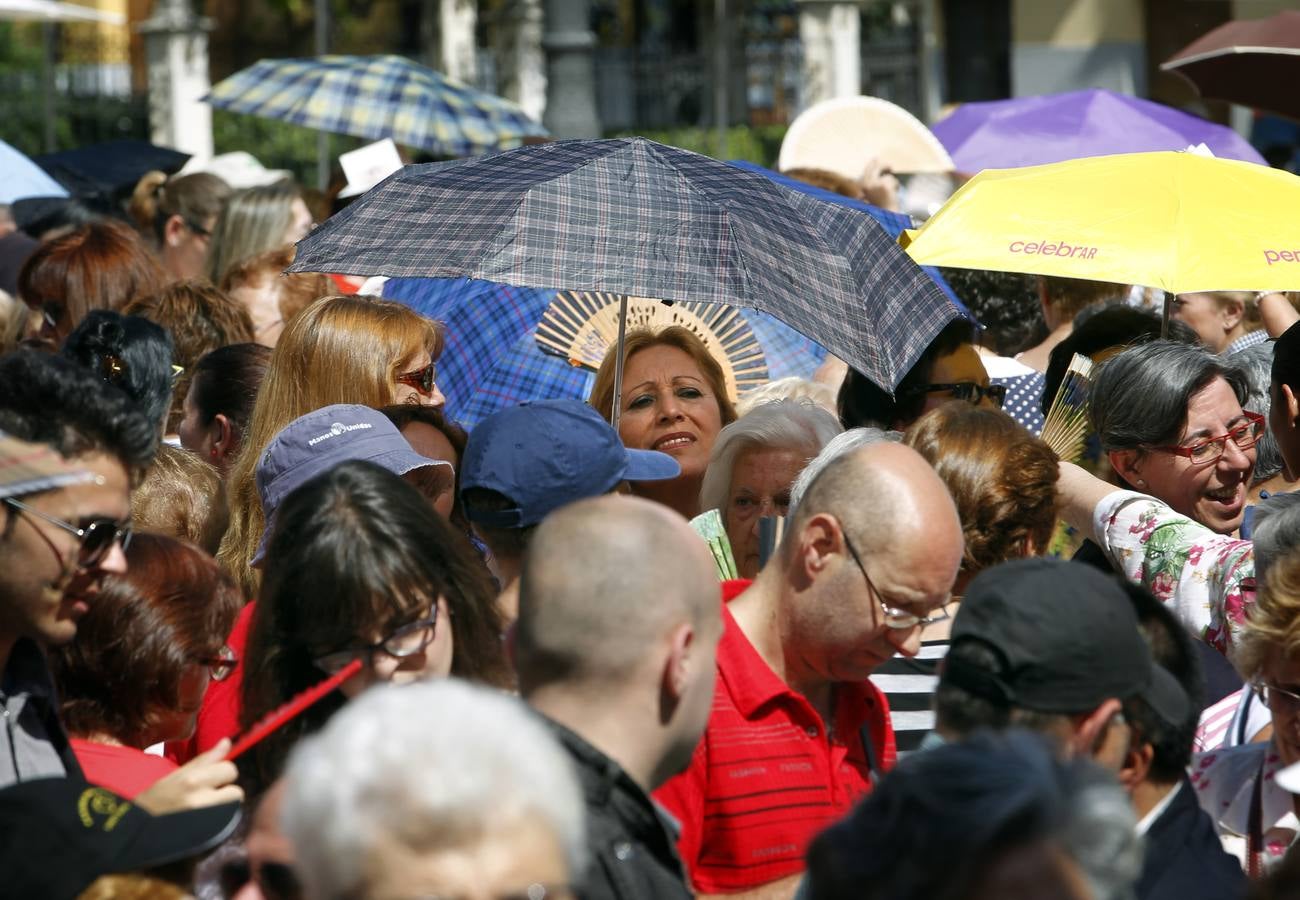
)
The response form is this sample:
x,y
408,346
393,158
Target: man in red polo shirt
x,y
870,554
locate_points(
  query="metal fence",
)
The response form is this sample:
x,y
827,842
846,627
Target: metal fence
x,y
66,86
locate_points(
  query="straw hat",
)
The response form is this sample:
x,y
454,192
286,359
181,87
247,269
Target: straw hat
x,y
842,135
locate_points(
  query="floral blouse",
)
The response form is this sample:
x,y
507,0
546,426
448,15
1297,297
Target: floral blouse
x,y
1207,578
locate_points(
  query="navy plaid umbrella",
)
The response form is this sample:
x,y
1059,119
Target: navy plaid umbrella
x,y
631,216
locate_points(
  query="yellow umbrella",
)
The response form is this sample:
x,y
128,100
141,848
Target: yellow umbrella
x,y
1177,221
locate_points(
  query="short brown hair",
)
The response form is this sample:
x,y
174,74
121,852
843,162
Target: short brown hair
x,y
1071,296
1002,478
144,630
295,291
200,318
103,265
683,339
183,497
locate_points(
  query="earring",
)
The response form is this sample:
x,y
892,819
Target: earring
x,y
1141,483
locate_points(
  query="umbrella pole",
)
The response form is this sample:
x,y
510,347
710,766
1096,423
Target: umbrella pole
x,y
618,362
1164,317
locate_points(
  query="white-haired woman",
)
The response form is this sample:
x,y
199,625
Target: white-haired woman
x,y
388,801
754,463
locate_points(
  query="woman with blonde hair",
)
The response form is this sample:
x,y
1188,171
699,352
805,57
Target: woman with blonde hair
x,y
675,400
253,221
343,349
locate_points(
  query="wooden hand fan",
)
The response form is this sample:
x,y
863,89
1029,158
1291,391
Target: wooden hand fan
x,y
581,326
1066,427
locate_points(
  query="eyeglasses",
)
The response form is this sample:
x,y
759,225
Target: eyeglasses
x,y
222,665
1210,450
197,229
898,619
1266,692
406,641
97,538
421,379
970,391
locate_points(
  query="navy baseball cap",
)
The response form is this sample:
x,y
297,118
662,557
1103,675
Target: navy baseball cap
x,y
313,444
1067,638
547,454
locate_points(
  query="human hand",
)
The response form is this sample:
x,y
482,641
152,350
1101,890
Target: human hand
x,y
206,780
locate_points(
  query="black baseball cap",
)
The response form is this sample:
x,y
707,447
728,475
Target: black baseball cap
x,y
57,835
1067,638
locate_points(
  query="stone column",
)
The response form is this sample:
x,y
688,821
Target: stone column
x,y
176,54
457,51
829,31
570,71
521,61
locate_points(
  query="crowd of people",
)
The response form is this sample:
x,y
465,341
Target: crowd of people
x,y
947,663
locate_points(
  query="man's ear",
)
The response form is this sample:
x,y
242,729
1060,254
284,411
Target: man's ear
x,y
820,537
173,230
1292,404
1137,764
1128,464
1089,728
678,667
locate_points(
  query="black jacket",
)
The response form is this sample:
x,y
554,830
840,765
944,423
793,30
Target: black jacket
x,y
632,845
1184,858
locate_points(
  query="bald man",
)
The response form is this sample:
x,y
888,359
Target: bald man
x,y
615,644
797,732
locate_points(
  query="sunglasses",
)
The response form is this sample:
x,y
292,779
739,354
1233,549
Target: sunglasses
x,y
970,391
421,379
97,538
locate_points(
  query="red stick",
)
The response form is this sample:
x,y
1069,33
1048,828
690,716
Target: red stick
x,y
291,709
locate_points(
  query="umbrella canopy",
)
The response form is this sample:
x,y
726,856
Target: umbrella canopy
x,y
110,168
1253,62
634,217
378,97
1034,131
492,359
1177,221
55,11
20,177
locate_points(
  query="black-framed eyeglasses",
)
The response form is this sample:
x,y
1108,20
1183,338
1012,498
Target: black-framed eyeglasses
x,y
1211,450
221,666
197,229
898,619
970,391
97,538
421,379
1266,692
406,641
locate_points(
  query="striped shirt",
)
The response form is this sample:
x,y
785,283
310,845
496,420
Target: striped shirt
x,y
766,777
909,685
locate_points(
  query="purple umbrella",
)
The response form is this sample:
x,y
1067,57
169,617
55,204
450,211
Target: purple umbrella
x,y
1032,131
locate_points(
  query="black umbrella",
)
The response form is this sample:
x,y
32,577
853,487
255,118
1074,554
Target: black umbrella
x,y
110,169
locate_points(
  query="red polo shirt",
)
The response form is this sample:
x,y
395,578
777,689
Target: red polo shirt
x,y
766,778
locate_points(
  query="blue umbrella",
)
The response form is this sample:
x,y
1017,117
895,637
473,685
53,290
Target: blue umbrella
x,y
492,359
20,177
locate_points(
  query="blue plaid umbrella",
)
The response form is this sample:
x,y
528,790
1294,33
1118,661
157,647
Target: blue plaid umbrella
x,y
377,97
492,360
637,218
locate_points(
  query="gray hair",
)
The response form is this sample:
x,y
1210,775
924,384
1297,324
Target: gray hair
x,y
430,766
252,221
1257,360
974,798
838,446
799,425
791,388
1140,396
1277,530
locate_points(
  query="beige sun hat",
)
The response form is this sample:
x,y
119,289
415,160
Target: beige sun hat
x,y
844,134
